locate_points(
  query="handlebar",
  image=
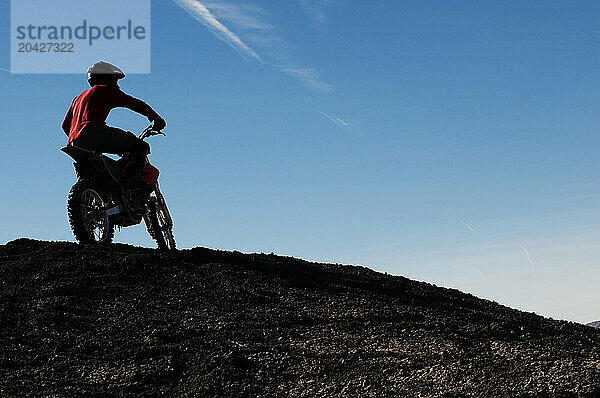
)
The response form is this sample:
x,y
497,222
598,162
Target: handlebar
x,y
149,132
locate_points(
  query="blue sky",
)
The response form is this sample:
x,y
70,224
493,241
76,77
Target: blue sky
x,y
455,142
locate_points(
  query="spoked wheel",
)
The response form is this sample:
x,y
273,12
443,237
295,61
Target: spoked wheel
x,y
159,226
87,214
166,225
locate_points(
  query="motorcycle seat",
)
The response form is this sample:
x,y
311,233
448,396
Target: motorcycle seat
x,y
80,154
77,153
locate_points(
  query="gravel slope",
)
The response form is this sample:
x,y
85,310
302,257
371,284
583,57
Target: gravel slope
x,y
127,321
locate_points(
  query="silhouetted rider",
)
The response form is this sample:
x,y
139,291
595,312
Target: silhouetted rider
x,y
85,122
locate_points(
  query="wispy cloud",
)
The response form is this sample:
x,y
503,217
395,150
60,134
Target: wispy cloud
x,y
528,257
203,14
336,120
309,76
246,28
523,248
244,16
317,9
5,70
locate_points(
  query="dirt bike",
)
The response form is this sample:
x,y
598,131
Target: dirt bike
x,y
103,198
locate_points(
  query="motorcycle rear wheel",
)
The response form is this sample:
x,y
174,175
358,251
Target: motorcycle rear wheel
x,y
87,214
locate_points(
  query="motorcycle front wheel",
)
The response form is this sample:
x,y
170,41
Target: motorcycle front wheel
x,y
158,227
87,214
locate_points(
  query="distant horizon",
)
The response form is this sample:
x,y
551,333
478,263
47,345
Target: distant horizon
x,y
449,142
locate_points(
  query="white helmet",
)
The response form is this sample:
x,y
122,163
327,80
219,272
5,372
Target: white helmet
x,y
103,70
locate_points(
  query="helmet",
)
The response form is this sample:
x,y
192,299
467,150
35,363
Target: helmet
x,y
104,73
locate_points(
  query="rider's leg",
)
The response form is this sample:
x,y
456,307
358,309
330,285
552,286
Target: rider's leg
x,y
102,138
120,142
92,138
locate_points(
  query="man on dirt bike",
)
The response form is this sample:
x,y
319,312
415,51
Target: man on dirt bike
x,y
85,122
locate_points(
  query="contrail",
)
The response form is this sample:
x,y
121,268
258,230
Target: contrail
x,y
469,227
203,14
335,120
254,36
528,257
6,70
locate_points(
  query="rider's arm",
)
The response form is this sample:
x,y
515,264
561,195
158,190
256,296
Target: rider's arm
x,y
136,105
66,124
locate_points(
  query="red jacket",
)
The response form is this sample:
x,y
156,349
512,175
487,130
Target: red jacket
x,y
93,106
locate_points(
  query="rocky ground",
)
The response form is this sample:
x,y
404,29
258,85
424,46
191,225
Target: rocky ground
x,y
127,321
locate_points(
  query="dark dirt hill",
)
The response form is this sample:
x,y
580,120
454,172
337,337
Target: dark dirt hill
x,y
126,321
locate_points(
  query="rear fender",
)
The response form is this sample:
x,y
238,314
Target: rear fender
x,y
81,171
